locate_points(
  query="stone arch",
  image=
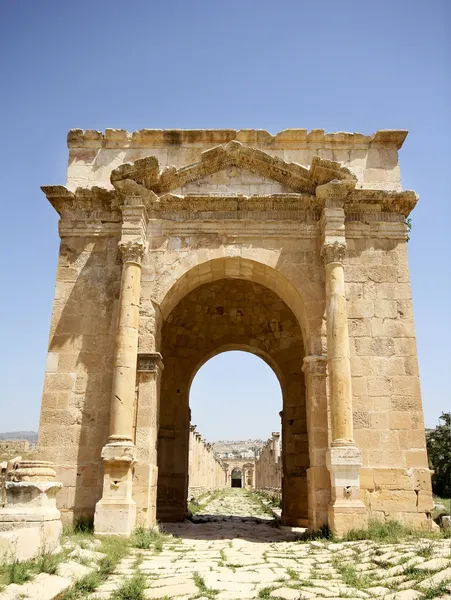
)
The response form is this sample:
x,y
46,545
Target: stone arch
x,y
219,314
302,290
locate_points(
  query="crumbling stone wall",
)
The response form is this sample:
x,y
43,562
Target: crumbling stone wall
x,y
12,447
205,471
268,467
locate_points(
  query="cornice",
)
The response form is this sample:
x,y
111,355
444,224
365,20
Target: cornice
x,y
288,138
99,199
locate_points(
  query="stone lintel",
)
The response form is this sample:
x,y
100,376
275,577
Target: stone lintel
x,y
150,362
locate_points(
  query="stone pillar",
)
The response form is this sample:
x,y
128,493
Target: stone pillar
x,y
145,476
343,459
318,477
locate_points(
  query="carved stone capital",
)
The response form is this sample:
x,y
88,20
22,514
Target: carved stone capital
x,y
149,362
132,251
315,365
333,252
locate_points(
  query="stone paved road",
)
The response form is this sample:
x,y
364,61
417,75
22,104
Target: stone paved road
x,y
241,557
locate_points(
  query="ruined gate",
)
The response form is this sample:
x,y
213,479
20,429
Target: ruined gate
x,y
177,245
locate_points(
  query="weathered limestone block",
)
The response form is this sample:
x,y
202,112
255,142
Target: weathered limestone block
x,y
29,517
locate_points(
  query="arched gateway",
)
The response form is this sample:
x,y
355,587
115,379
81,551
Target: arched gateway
x,y
292,247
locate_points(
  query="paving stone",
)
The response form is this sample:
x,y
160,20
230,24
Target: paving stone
x,y
172,591
73,570
404,595
444,575
41,587
435,564
286,594
378,590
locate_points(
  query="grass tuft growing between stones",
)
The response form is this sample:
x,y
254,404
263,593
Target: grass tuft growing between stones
x,y
323,533
353,578
204,591
114,548
21,572
436,591
150,539
132,588
388,531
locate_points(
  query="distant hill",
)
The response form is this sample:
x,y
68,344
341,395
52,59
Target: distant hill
x,y
238,449
31,436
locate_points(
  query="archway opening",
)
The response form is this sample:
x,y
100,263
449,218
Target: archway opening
x,y
222,315
237,478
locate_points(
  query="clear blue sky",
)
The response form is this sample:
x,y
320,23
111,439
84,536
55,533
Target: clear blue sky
x,y
341,66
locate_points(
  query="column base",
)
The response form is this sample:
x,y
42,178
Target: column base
x,y
115,513
114,518
346,510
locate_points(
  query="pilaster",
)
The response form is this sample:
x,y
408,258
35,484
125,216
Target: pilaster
x,y
145,477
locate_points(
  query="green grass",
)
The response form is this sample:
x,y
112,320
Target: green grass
x,y
445,501
84,526
323,533
150,539
204,591
132,588
21,572
425,551
392,532
114,548
436,591
353,578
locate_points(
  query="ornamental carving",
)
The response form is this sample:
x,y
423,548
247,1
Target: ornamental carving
x,y
132,251
333,252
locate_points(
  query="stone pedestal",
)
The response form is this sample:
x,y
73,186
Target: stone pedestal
x,y
116,511
346,509
30,523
